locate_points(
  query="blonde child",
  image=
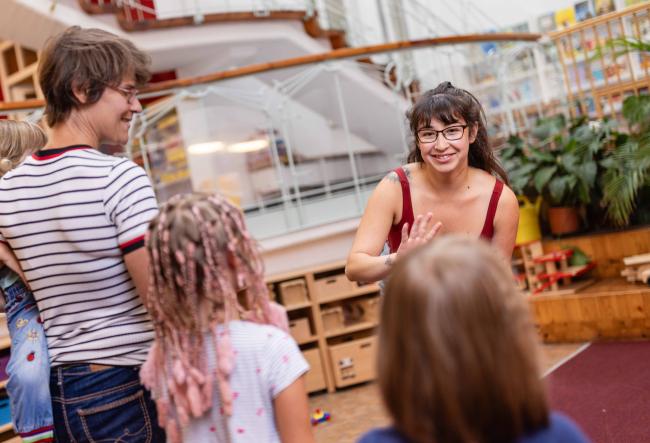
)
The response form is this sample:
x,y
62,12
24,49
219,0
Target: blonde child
x,y
459,360
220,370
28,368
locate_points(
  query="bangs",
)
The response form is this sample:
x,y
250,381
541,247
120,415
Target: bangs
x,y
445,108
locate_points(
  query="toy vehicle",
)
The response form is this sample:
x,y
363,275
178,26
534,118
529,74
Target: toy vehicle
x,y
319,416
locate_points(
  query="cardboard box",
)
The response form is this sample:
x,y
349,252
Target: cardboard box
x,y
293,292
332,318
353,362
315,377
370,309
333,286
299,329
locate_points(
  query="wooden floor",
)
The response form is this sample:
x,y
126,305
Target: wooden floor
x,y
358,409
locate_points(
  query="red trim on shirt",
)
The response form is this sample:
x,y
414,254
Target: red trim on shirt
x,y
132,242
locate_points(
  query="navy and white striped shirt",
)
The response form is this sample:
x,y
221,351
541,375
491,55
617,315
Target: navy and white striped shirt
x,y
70,215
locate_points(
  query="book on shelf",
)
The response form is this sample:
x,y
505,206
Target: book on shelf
x,y
565,17
604,6
583,10
546,23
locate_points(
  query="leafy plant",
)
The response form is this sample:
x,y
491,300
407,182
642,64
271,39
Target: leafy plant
x,y
620,46
628,166
514,160
567,159
585,163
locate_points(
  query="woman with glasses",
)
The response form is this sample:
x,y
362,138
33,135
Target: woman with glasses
x,y
452,184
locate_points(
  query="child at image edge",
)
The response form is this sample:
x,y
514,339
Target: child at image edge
x,y
220,370
29,366
459,360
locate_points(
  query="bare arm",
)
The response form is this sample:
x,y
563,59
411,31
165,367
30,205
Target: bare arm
x,y
505,224
137,263
292,414
364,262
8,258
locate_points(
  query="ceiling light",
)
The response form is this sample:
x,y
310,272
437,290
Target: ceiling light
x,y
205,148
249,146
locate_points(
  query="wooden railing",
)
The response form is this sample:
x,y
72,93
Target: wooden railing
x,y
338,54
131,18
597,77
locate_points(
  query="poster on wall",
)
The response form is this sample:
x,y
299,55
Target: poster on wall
x,y
604,6
583,11
521,28
565,17
546,23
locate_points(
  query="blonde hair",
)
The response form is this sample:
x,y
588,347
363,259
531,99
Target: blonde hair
x,y
459,360
18,139
205,270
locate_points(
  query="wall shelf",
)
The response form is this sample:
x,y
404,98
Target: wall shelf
x,y
350,329
325,349
363,290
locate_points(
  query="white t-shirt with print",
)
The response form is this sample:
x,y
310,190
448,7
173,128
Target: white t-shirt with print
x,y
267,361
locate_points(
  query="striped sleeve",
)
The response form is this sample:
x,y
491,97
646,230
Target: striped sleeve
x,y
129,203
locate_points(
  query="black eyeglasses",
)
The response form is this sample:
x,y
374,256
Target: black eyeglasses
x,y
430,135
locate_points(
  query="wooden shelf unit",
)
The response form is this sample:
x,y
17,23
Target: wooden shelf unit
x,y
320,297
18,74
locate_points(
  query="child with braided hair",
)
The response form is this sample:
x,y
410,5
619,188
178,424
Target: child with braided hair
x,y
221,368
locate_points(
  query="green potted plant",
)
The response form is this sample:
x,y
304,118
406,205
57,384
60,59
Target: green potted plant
x,y
561,161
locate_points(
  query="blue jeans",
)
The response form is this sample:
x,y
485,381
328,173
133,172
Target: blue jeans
x,y
102,405
29,365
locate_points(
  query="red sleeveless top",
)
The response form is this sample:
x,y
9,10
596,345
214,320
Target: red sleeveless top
x,y
395,233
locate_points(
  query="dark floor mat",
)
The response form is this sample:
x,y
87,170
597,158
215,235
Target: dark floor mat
x,y
606,390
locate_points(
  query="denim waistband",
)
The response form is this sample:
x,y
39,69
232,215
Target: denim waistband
x,y
87,368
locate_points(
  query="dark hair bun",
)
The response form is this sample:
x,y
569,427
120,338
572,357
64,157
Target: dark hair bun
x,y
443,87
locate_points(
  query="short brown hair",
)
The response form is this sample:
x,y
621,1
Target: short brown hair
x,y
18,139
89,59
459,354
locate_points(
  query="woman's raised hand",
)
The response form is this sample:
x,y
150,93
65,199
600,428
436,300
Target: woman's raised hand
x,y
423,231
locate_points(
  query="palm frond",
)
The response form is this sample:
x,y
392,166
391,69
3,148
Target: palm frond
x,y
620,192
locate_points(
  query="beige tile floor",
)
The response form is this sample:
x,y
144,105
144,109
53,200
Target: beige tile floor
x,y
358,409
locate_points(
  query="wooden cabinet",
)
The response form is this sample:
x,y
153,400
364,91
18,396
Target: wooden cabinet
x,y
332,319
